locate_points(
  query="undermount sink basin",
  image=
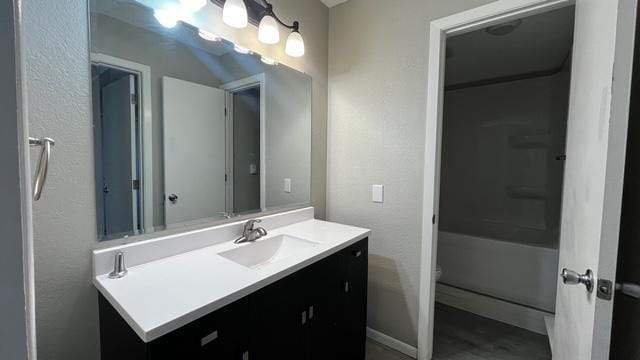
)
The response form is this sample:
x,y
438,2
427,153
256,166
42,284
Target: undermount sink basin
x,y
267,251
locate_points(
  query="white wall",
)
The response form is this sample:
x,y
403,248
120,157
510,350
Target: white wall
x,y
13,299
56,63
377,105
499,167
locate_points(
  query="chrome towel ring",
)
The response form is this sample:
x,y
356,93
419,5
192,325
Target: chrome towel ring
x,y
43,164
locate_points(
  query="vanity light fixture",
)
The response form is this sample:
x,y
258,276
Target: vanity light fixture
x,y
234,14
242,49
208,35
295,44
268,60
193,5
268,32
166,17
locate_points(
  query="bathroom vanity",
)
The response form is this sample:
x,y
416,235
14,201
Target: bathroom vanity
x,y
298,293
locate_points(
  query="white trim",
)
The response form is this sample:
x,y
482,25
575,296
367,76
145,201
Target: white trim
x,y
504,311
146,127
242,84
392,343
550,322
496,12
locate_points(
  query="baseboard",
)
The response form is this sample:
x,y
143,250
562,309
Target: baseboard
x,y
504,311
392,343
549,321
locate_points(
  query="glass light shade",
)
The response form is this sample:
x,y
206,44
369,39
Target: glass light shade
x,y
193,5
268,61
234,14
295,45
166,17
208,35
241,49
268,31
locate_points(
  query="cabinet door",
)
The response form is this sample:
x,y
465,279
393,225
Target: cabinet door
x,y
222,335
323,285
276,314
353,321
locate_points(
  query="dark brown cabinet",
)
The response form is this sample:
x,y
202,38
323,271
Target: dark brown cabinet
x,y
318,312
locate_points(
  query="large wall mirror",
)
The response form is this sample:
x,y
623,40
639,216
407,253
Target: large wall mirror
x,y
189,128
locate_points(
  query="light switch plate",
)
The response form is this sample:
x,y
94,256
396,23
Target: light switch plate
x,y
377,193
287,185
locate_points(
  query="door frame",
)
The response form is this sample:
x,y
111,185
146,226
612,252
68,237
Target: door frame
x,y
145,128
230,88
439,30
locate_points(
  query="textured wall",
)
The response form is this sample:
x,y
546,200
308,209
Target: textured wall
x,y
56,63
377,101
54,36
13,332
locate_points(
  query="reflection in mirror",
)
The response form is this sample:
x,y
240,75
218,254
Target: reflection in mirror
x,y
187,129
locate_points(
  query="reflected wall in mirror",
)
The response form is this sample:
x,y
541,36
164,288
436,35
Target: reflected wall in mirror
x,y
187,129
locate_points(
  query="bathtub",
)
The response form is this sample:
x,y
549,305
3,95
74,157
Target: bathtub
x,y
523,272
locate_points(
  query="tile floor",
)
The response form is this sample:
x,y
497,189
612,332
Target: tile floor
x,y
460,335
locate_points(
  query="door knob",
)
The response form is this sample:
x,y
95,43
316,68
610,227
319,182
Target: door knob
x,y
571,277
173,198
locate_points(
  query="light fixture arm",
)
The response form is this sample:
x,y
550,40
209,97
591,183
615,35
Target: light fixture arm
x,y
269,11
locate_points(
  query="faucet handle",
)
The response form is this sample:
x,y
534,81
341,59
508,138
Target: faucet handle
x,y
248,226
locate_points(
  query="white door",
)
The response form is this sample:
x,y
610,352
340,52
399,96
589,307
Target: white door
x,y
596,140
119,156
194,150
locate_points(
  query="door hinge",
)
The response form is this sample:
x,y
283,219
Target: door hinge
x,y
134,99
135,184
605,289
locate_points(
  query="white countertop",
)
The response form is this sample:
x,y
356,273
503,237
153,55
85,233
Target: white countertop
x,y
160,296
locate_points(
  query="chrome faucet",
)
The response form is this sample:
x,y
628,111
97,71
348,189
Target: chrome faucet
x,y
249,233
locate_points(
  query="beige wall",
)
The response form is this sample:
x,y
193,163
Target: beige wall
x,y
57,88
377,92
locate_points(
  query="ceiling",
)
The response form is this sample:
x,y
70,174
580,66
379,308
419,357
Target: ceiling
x,y
332,3
540,43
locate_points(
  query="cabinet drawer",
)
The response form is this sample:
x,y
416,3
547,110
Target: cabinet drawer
x,y
219,335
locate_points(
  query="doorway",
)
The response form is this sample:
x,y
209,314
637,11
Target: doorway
x,y
591,190
246,150
117,142
503,141
246,144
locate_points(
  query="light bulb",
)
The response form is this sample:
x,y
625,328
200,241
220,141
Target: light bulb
x,y
295,45
268,61
208,36
166,17
241,49
234,14
193,5
268,32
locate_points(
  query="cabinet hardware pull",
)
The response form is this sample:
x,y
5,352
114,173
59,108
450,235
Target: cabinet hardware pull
x,y
209,338
357,253
346,286
304,317
310,312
